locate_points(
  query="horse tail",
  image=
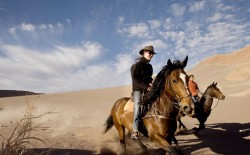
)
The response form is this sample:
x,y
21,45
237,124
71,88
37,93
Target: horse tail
x,y
109,124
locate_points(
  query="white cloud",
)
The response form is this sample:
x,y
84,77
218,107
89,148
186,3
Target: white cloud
x,y
120,20
181,51
215,17
50,26
32,28
135,30
220,36
197,6
174,35
155,24
159,45
12,30
123,63
59,25
228,8
2,9
54,70
177,9
62,68
68,20
168,24
27,27
42,26
229,17
192,26
247,38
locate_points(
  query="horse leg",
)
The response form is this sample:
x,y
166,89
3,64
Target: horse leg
x,y
144,147
181,125
121,133
177,145
163,143
202,121
202,125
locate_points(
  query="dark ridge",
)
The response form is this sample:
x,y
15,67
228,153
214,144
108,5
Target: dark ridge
x,y
12,93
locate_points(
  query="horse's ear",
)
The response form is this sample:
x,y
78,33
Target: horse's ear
x,y
215,84
212,84
184,62
169,63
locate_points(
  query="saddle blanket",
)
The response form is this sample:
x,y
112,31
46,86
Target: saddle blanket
x,y
129,106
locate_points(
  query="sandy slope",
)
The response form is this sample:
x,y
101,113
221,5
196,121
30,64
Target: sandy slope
x,y
76,127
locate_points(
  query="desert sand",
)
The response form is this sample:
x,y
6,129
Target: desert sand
x,y
77,123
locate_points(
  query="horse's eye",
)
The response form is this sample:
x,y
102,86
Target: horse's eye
x,y
174,81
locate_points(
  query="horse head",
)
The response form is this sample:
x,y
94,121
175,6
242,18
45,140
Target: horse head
x,y
214,91
177,89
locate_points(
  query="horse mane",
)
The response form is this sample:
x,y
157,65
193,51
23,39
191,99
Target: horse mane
x,y
160,81
203,97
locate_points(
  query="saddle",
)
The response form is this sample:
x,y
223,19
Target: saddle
x,y
129,106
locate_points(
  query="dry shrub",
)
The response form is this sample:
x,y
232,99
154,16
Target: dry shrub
x,y
22,132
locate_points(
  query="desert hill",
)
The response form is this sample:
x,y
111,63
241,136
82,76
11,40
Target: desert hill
x,y
77,123
12,93
233,66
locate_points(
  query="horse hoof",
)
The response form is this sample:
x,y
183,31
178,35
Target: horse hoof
x,y
171,151
144,148
185,129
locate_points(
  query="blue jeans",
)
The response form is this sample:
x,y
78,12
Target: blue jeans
x,y
195,99
137,96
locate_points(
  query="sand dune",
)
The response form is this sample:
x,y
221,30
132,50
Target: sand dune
x,y
234,66
76,127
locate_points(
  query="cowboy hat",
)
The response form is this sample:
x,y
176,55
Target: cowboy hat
x,y
147,48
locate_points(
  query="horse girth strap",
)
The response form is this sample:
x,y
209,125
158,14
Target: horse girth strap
x,y
155,114
158,116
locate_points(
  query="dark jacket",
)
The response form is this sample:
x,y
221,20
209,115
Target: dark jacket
x,y
141,73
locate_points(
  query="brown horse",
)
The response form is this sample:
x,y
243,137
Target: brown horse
x,y
203,107
167,96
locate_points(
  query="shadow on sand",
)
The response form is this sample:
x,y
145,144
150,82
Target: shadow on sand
x,y
48,151
222,138
104,151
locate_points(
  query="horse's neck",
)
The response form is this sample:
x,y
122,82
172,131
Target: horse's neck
x,y
163,105
206,99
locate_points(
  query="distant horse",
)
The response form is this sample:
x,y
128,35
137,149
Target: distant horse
x,y
167,96
203,107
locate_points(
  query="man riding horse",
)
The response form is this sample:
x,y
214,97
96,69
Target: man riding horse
x,y
141,73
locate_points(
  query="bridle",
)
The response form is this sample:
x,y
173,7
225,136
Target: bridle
x,y
175,104
178,99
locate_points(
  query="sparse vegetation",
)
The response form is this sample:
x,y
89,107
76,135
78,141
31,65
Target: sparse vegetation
x,y
21,134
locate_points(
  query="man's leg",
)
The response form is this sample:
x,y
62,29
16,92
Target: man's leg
x,y
194,99
137,95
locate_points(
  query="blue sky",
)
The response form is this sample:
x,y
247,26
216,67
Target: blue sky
x,y
68,45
